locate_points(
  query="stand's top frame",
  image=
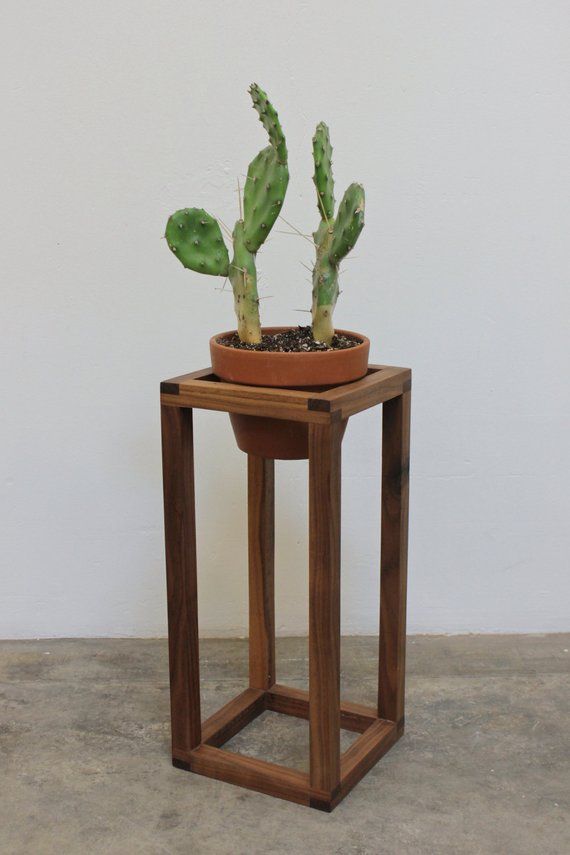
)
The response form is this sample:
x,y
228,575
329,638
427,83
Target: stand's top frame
x,y
203,390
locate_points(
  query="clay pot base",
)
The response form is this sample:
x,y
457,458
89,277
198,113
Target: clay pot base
x,y
279,439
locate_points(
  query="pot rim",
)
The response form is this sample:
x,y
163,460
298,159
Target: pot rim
x,y
365,342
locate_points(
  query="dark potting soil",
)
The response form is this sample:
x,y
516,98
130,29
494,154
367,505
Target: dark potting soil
x,y
298,340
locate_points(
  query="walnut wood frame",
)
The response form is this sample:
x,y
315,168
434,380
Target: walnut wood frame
x,y
197,745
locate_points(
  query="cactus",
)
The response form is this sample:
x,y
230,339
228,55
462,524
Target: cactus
x,y
196,239
334,238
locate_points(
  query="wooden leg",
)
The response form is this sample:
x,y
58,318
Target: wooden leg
x,y
261,538
394,557
180,535
324,605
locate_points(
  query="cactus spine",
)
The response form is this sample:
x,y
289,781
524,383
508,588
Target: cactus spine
x,y
334,237
196,239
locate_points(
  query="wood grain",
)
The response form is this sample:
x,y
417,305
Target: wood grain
x,y
210,394
261,547
324,604
271,778
317,406
180,539
380,384
249,772
233,717
196,747
394,557
364,753
295,702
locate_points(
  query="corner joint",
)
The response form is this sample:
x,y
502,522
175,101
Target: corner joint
x,y
167,388
319,404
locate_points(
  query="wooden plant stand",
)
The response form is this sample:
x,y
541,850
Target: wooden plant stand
x,y
197,745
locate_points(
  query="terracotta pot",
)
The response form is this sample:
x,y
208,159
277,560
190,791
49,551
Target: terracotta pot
x,y
282,439
289,370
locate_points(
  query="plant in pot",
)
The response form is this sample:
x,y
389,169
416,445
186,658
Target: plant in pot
x,y
291,357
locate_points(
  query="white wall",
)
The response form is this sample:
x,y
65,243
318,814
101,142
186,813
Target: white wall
x,y
455,116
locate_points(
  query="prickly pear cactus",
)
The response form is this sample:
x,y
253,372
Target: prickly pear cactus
x,y
334,238
196,239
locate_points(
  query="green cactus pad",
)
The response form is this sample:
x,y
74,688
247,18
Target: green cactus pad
x,y
349,222
196,240
270,121
263,195
323,177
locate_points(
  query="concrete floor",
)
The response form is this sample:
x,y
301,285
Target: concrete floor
x,y
484,766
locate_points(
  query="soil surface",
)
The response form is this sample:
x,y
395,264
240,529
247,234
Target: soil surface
x,y
297,340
